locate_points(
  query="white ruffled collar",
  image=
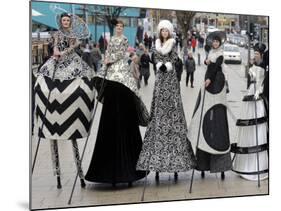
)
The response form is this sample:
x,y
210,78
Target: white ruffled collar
x,y
166,48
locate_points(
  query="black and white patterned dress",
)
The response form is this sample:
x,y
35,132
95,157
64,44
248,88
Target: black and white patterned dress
x,y
210,119
71,94
119,141
166,147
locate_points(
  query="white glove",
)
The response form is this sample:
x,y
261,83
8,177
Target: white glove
x,y
252,74
257,94
169,66
158,65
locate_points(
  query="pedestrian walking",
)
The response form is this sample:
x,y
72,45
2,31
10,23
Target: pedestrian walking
x,y
193,44
190,68
145,66
134,66
97,57
179,68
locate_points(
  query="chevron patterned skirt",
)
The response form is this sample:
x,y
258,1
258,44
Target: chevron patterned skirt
x,y
69,107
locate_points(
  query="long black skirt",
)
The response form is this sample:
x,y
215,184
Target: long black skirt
x,y
119,141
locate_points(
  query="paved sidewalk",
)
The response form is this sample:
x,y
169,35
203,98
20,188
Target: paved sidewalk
x,y
46,195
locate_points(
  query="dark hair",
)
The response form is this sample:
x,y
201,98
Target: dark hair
x,y
117,21
120,22
162,38
64,15
260,47
217,38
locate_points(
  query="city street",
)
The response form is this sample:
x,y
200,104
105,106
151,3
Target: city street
x,y
46,195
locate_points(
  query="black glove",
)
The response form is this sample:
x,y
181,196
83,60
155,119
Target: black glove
x,y
163,68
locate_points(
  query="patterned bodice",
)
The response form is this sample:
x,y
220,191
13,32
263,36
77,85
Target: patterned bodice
x,y
62,42
117,48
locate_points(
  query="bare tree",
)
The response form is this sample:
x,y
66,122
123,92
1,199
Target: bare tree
x,y
184,21
166,14
112,13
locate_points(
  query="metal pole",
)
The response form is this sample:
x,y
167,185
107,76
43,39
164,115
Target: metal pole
x,y
197,143
257,139
42,125
95,15
84,149
94,113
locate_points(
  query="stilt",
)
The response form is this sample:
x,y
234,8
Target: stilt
x,y
203,101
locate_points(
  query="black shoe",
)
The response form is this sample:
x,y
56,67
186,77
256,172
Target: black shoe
x,y
82,181
176,176
58,182
222,176
192,86
157,176
202,174
113,184
186,85
130,184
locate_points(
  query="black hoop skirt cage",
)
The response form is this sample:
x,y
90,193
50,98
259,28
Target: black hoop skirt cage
x,y
119,141
251,150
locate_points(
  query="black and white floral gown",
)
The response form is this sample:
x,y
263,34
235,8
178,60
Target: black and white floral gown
x,y
166,147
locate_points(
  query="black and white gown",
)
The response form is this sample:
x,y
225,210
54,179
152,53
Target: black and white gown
x,y
165,146
67,97
247,146
119,141
71,94
213,152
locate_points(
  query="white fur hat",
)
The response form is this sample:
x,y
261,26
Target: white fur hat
x,y
167,25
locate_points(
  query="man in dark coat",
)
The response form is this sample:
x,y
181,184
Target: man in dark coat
x,y
144,66
179,68
190,68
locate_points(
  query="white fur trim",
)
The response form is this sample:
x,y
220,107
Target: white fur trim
x,y
169,66
167,25
158,65
166,48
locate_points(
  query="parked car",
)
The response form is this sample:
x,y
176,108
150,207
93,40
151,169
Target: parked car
x,y
232,54
212,29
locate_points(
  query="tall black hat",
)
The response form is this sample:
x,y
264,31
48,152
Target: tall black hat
x,y
216,35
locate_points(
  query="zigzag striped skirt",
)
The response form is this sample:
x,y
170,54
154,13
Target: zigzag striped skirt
x,y
69,107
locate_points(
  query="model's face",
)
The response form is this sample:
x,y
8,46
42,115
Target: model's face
x,y
257,56
165,33
215,44
119,28
65,22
